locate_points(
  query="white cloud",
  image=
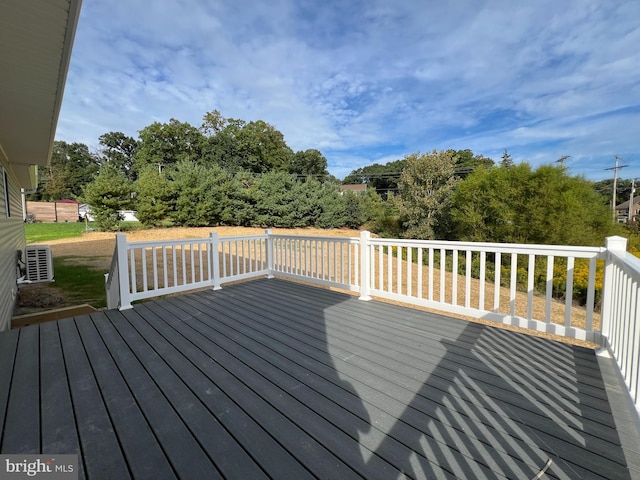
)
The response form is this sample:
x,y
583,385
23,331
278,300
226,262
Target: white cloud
x,y
359,80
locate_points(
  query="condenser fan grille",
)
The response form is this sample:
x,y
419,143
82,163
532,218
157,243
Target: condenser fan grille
x,y
39,264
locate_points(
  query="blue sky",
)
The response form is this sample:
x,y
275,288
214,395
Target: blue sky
x,y
371,81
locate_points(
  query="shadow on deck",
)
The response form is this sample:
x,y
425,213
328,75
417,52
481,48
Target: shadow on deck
x,y
274,379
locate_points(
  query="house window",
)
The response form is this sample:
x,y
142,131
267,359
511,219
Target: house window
x,y
5,189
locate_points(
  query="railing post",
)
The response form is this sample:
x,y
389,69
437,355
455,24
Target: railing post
x,y
269,253
365,266
123,271
615,244
214,245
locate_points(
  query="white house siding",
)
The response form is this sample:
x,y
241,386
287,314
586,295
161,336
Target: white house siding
x,y
12,238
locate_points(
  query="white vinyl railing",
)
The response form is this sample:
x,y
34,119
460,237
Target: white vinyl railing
x,y
330,261
621,312
156,268
587,293
516,284
240,257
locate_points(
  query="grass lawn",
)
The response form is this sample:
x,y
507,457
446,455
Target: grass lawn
x,y
79,283
44,232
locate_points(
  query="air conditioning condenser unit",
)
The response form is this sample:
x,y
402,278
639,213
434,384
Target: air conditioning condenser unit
x,y
39,264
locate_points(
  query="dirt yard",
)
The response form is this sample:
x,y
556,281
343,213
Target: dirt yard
x,y
96,249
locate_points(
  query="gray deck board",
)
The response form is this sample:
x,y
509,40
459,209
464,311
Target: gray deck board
x,y
103,457
394,367
21,432
8,345
273,379
241,384
333,425
220,403
169,405
140,447
58,424
329,396
369,362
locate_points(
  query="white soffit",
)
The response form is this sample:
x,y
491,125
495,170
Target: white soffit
x,y
36,37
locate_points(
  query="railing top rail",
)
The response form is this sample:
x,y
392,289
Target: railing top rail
x,y
630,261
328,238
167,243
236,238
558,250
112,268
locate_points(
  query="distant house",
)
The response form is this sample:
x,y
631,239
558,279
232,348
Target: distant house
x,y
356,188
622,211
34,53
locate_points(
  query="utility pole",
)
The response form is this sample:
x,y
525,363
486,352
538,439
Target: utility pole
x,y
615,183
633,189
562,159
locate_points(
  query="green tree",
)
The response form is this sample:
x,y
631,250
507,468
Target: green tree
x,y
507,161
109,193
278,204
487,204
155,196
522,205
425,186
53,180
623,190
262,149
203,195
310,162
363,208
119,150
255,146
382,178
72,166
246,193
212,123
165,144
467,162
82,167
319,204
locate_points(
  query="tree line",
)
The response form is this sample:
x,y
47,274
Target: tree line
x,y
195,195
509,202
225,172
232,144
231,172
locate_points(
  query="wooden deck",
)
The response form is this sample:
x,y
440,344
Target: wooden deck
x,y
274,379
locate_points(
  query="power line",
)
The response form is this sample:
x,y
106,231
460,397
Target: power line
x,y
384,175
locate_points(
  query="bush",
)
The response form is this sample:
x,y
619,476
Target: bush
x,y
522,205
203,195
109,193
154,197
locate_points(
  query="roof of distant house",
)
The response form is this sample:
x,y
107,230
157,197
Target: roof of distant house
x,y
624,205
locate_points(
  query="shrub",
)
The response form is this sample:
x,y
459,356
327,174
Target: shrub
x,y
109,193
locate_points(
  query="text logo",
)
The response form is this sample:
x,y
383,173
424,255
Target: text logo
x,y
50,467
